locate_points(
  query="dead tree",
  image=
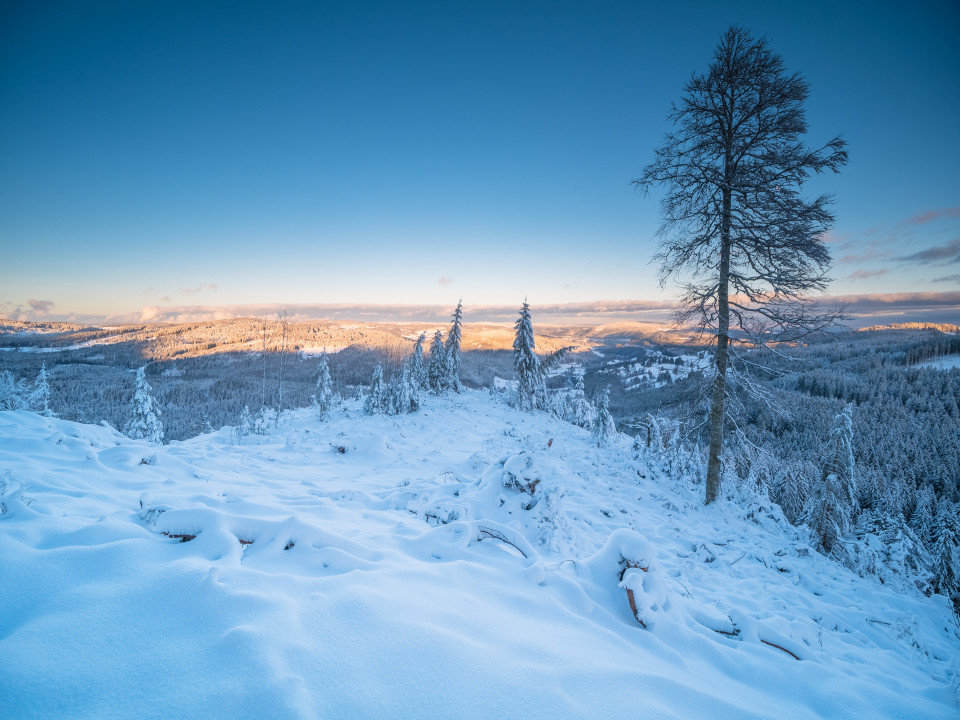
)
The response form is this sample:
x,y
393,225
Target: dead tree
x,y
737,237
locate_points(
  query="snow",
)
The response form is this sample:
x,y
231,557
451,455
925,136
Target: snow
x,y
948,362
467,560
64,348
321,350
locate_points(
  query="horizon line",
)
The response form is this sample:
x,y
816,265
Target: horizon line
x,y
862,310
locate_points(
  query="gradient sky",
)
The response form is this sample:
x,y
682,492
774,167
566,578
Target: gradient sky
x,y
172,154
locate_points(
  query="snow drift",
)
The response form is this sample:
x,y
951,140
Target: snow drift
x,y
464,561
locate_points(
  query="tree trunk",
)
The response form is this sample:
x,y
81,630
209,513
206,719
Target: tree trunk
x,y
718,398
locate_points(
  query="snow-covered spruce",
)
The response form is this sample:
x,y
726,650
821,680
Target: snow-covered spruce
x,y
145,423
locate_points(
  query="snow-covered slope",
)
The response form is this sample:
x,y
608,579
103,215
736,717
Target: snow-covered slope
x,y
464,561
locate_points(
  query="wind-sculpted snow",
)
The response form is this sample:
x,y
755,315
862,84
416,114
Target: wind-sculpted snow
x,y
463,561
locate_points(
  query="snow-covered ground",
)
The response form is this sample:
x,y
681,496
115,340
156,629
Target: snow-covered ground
x,y
464,561
948,362
321,350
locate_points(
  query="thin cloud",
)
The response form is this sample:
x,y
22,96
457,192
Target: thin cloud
x,y
832,238
931,215
868,254
941,254
444,280
947,278
588,313
867,274
212,287
883,308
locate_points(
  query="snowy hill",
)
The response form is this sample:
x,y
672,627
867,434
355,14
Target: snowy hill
x,y
467,560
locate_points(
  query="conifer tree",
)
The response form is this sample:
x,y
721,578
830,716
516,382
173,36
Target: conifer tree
x,y
413,386
265,419
922,519
377,401
245,426
454,338
832,502
604,427
580,411
946,570
202,424
401,391
323,400
437,370
531,392
12,391
40,394
418,368
145,424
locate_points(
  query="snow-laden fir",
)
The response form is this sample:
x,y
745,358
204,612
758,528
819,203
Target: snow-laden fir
x,y
468,560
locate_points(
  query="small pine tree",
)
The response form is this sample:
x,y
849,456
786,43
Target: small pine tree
x,y
401,391
324,400
454,338
266,418
40,394
145,424
437,370
377,402
832,501
604,427
418,368
13,392
413,387
921,521
201,425
245,426
531,392
579,410
946,568
793,490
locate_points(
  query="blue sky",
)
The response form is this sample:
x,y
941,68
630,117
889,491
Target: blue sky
x,y
179,155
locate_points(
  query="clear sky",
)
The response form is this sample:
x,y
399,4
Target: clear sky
x,y
171,155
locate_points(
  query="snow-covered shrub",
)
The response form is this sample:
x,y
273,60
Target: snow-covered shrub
x,y
553,528
522,474
14,392
265,419
244,425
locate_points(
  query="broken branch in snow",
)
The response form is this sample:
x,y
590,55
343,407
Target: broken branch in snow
x,y
497,535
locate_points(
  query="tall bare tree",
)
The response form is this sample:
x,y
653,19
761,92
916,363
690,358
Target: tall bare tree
x,y
736,235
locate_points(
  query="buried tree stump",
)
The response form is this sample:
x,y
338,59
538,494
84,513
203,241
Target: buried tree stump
x,y
629,564
182,537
